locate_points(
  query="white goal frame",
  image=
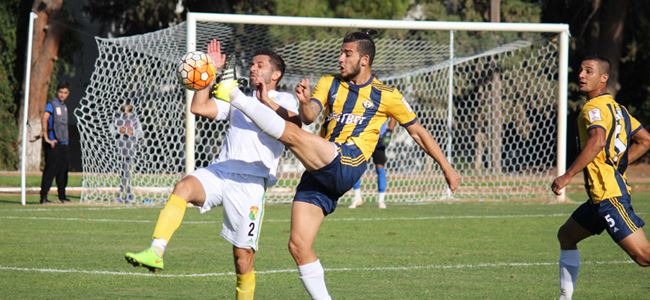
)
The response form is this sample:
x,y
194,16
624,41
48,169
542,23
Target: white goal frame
x,y
561,29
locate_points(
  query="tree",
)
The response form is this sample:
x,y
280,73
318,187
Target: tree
x,y
9,90
48,31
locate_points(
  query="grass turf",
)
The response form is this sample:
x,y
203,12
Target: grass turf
x,y
428,251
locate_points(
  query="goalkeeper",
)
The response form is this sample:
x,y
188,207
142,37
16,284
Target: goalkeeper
x,y
379,159
237,179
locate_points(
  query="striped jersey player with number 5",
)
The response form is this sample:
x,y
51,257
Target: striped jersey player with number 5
x,y
237,179
610,139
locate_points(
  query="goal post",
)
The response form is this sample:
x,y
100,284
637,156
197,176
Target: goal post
x,y
492,94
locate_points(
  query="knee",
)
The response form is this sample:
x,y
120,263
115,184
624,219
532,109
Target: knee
x,y
294,247
244,260
564,237
642,258
183,189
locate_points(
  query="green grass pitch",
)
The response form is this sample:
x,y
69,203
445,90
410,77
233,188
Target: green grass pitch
x,y
428,251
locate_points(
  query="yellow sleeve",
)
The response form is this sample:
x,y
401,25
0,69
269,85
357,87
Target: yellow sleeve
x,y
400,110
595,116
321,90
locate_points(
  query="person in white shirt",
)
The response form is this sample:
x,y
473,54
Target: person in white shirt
x,y
127,131
237,179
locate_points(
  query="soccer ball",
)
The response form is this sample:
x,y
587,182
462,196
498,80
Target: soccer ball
x,y
195,71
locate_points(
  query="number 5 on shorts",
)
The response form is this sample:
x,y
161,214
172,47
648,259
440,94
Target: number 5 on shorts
x,y
610,221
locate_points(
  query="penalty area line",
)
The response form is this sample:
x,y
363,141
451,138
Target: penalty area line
x,y
329,270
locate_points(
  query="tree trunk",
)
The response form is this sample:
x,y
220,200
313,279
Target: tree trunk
x,y
611,34
47,36
496,117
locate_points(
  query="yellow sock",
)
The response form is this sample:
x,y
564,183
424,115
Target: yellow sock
x,y
246,286
170,218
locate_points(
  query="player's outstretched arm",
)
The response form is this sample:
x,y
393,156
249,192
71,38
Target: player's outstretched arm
x,y
262,93
423,138
201,103
309,110
640,145
595,143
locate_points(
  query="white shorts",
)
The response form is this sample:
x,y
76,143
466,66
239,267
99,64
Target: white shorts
x,y
242,197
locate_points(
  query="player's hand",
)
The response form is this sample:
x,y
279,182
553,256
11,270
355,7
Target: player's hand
x,y
560,183
214,51
261,90
453,180
51,142
303,92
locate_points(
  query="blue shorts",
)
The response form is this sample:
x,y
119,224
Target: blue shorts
x,y
325,186
614,214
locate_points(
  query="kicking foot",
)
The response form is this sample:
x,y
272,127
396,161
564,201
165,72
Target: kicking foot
x,y
382,205
147,258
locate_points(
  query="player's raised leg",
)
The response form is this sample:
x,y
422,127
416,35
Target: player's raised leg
x,y
188,190
305,222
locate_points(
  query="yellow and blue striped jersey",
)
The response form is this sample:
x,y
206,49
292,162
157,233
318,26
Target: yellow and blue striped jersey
x,y
605,175
356,112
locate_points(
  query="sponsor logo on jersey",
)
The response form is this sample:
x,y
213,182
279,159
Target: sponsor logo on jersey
x,y
346,118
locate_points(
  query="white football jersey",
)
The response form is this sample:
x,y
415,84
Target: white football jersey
x,y
246,148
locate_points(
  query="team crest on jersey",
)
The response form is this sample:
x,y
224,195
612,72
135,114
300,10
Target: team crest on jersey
x,y
594,115
367,104
253,213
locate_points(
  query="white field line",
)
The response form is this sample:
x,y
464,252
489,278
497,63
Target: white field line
x,y
425,218
330,270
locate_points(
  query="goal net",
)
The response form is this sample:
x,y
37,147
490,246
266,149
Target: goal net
x,y
489,98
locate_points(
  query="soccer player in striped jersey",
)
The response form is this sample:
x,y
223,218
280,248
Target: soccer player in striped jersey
x,y
237,179
355,104
610,139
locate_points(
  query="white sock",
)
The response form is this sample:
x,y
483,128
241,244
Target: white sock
x,y
380,197
569,267
159,246
357,195
263,116
313,278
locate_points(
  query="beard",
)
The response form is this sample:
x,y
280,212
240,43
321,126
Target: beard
x,y
353,72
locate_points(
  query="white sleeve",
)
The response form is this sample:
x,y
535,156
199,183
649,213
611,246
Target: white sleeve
x,y
223,109
288,101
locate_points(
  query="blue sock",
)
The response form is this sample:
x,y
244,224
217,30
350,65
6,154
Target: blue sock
x,y
357,185
381,179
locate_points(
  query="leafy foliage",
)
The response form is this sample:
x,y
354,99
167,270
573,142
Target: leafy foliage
x,y
9,85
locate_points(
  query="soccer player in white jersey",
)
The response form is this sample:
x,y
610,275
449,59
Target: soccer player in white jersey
x,y
237,179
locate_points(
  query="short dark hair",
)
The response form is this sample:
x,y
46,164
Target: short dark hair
x,y
63,85
602,61
276,60
365,44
